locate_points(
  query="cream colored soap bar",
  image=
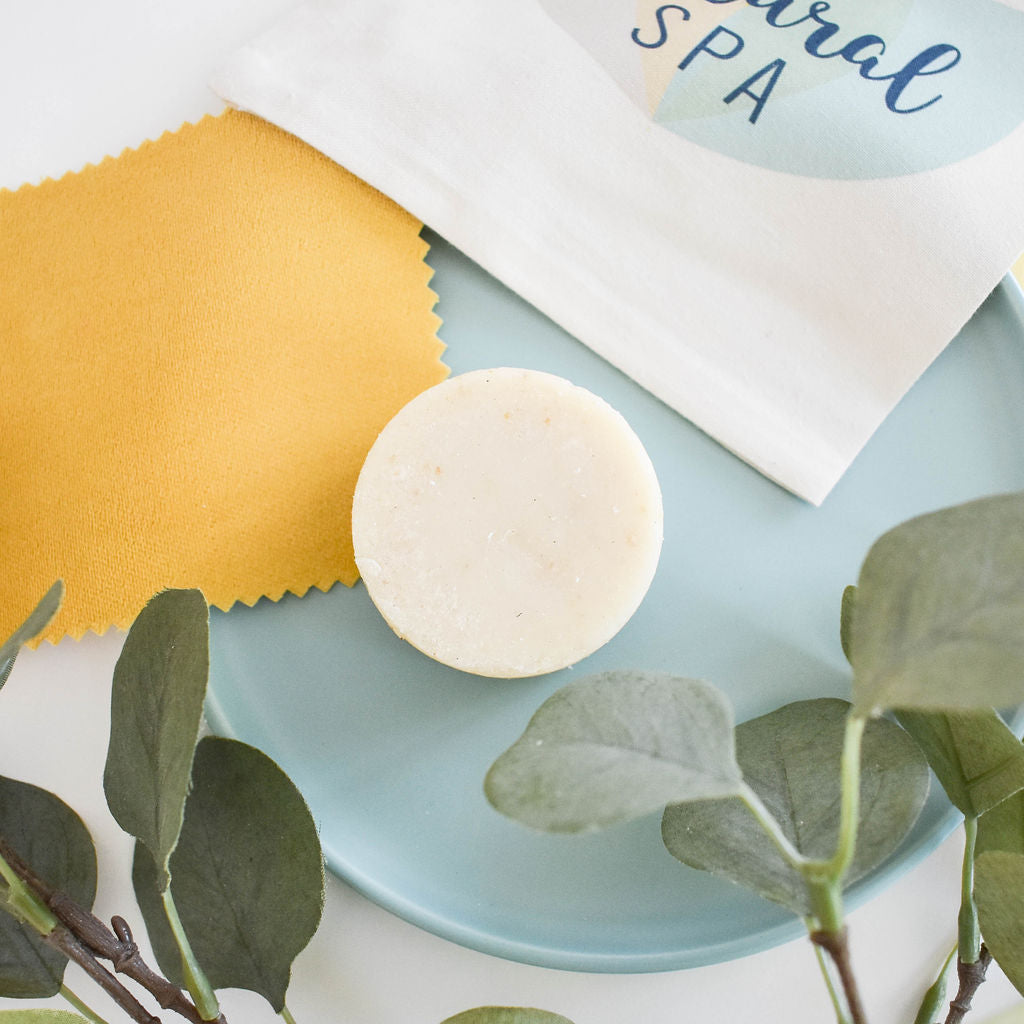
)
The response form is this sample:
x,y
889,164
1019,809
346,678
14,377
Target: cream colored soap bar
x,y
507,522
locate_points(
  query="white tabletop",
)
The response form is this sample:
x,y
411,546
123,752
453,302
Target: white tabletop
x,y
81,81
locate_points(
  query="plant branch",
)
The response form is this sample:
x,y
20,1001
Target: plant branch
x,y
198,985
969,933
22,902
971,977
94,939
838,864
826,974
849,812
62,939
837,947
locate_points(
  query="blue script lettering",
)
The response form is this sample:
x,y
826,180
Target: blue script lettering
x,y
942,54
776,7
704,46
760,98
863,52
852,50
662,27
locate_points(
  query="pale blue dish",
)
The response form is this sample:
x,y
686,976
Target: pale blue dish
x,y
390,748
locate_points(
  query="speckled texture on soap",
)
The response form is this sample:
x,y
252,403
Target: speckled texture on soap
x,y
507,522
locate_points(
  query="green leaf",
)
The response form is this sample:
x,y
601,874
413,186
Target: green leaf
x,y
155,710
1002,827
974,755
999,894
48,836
615,746
39,618
506,1015
846,619
247,874
938,620
790,758
40,1017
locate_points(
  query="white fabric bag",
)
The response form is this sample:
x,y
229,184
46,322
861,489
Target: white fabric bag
x,y
773,214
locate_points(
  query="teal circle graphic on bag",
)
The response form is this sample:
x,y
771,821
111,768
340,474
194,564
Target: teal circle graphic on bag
x,y
835,88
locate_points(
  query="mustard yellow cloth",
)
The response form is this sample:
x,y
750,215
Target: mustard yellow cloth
x,y
201,339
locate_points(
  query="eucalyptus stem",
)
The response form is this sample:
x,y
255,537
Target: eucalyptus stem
x,y
286,1015
849,796
824,879
973,958
82,937
971,977
837,947
195,979
969,933
80,1005
836,999
826,898
24,903
75,950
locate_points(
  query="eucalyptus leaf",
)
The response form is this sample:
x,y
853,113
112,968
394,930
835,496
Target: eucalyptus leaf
x,y
506,1015
1002,827
846,619
39,618
616,746
999,895
974,754
40,1017
155,710
938,618
790,758
47,835
247,874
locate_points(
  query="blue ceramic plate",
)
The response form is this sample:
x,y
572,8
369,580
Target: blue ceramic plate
x,y
390,748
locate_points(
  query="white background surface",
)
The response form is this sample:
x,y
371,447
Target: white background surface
x,y
81,81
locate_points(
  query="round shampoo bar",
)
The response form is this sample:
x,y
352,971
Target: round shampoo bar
x,y
507,522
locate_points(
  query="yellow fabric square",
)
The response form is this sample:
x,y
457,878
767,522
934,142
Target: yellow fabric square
x,y
201,340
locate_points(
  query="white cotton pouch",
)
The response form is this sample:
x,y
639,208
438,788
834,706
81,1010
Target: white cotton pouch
x,y
773,214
